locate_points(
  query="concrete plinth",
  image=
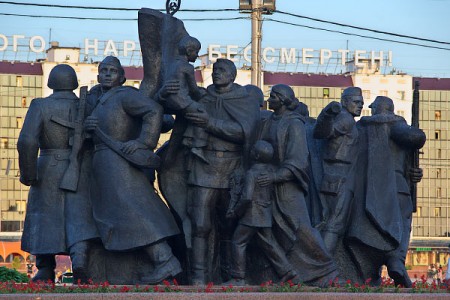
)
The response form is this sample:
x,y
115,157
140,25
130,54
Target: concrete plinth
x,y
226,296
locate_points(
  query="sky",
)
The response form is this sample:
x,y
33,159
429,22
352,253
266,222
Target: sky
x,y
428,19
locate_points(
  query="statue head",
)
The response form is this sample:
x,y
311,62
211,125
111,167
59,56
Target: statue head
x,y
262,151
352,100
62,77
189,46
302,109
110,73
255,92
224,72
282,95
382,105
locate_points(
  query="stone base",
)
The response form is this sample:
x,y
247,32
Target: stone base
x,y
226,296
118,267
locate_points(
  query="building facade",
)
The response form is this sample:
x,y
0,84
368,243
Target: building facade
x,y
431,222
19,84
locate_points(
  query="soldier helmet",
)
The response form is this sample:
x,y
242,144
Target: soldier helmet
x,y
62,77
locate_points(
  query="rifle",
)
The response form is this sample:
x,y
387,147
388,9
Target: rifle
x,y
415,154
71,175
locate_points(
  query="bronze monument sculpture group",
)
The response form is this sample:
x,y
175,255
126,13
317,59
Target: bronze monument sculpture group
x,y
250,195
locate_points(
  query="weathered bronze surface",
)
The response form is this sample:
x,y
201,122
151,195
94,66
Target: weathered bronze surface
x,y
251,195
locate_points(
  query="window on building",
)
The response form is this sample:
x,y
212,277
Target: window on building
x,y
437,134
19,81
3,143
21,205
14,257
8,166
437,115
67,57
439,153
384,93
24,102
401,95
366,94
438,192
10,226
438,173
326,93
12,207
401,113
437,211
420,258
419,211
19,122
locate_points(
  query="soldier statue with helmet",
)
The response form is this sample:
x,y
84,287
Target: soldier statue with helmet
x,y
50,210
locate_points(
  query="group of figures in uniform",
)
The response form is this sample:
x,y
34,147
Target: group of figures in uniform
x,y
251,195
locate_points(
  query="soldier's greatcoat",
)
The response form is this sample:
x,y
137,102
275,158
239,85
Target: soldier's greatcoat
x,y
381,218
303,244
128,212
50,209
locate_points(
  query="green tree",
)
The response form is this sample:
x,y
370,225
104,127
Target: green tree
x,y
16,263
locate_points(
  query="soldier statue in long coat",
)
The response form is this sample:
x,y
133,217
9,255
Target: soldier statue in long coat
x,y
380,226
53,215
128,213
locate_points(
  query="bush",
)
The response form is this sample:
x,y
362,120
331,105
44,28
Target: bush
x,y
12,275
